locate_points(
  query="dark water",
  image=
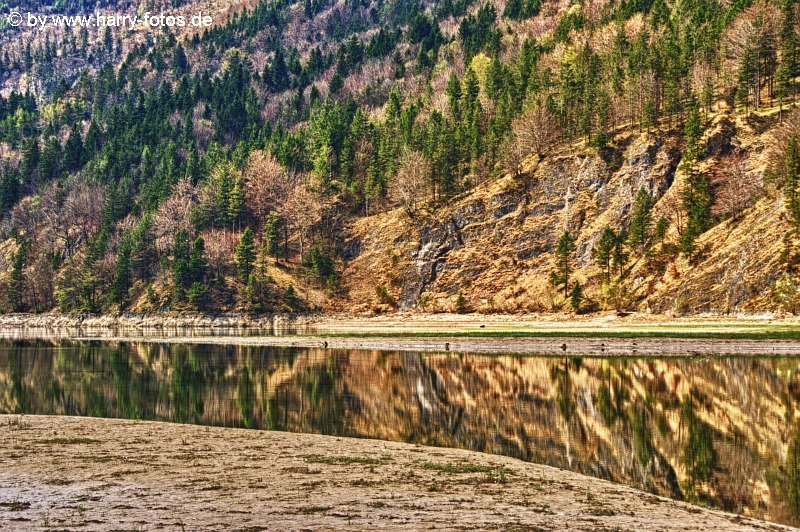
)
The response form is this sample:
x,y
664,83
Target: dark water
x,y
722,431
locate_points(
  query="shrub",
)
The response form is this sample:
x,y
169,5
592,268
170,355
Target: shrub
x,y
383,295
320,266
196,292
615,294
461,303
787,293
289,297
576,297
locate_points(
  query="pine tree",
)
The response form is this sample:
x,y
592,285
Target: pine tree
x,y
9,189
236,201
747,78
50,160
245,254
272,233
180,261
336,83
640,221
143,253
603,251
198,263
121,284
697,201
16,282
693,130
660,231
792,180
180,64
30,159
576,297
619,255
73,151
789,67
564,258
697,197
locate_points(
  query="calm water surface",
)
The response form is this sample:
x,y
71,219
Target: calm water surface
x,y
722,431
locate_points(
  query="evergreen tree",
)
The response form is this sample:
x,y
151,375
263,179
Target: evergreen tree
x,y
198,263
9,189
603,251
121,284
30,159
576,297
789,67
16,282
236,201
693,130
180,261
336,83
791,192
143,253
245,254
640,221
697,197
697,201
272,232
619,255
660,230
180,63
50,160
74,155
564,259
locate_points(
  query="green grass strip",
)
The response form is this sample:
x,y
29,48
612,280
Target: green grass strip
x,y
715,335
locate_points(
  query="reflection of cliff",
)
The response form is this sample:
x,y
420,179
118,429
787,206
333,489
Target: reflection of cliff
x,y
720,431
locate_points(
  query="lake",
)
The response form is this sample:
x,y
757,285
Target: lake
x,y
722,432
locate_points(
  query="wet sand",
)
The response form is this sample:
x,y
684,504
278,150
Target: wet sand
x,y
72,473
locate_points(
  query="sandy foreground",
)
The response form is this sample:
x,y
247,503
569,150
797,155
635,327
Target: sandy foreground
x,y
70,473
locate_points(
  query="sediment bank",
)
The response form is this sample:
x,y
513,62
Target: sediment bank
x,y
109,474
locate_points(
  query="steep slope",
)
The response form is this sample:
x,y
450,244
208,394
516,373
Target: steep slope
x,y
495,245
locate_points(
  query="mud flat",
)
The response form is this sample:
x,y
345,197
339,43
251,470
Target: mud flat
x,y
107,474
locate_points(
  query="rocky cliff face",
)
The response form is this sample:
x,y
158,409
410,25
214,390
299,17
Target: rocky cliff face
x,y
495,245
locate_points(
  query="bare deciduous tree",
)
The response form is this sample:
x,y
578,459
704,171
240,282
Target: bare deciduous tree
x,y
174,214
267,184
671,207
535,132
303,210
755,30
735,186
410,185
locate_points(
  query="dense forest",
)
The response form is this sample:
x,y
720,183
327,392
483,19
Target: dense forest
x,y
223,168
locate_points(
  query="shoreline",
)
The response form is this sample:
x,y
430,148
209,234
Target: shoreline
x,y
541,346
106,474
404,322
552,335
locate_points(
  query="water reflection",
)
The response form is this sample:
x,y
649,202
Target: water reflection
x,y
722,432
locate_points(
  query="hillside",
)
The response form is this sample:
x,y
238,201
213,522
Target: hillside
x,y
495,245
530,156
